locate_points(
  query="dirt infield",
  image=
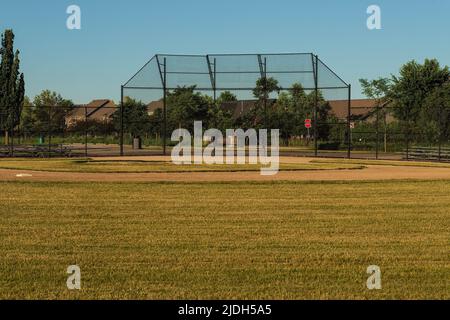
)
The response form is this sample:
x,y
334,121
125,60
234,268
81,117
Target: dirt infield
x,y
371,172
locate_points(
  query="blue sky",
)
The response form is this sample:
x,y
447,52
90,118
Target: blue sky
x,y
118,37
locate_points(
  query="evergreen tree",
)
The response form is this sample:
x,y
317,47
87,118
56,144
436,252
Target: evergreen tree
x,y
12,85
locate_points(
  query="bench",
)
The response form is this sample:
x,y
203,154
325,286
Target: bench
x,y
427,153
36,151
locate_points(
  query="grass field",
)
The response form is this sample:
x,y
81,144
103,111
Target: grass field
x,y
271,240
116,166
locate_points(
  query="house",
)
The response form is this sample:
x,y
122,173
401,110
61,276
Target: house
x,y
363,109
153,106
100,110
360,108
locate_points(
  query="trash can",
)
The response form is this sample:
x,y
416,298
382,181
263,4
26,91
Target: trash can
x,y
137,143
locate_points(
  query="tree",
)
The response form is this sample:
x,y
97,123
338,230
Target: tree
x,y
437,106
226,96
291,110
156,123
49,112
184,106
264,87
378,90
323,118
136,120
26,124
12,85
300,100
282,116
415,83
218,116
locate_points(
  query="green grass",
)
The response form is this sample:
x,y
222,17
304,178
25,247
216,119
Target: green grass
x,y
225,240
113,166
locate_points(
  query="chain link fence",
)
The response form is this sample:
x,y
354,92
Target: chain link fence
x,y
295,93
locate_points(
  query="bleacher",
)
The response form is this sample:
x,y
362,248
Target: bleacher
x,y
427,154
36,151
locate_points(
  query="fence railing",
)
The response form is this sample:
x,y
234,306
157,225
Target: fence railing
x,y
79,132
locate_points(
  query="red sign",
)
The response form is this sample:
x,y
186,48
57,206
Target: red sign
x,y
308,123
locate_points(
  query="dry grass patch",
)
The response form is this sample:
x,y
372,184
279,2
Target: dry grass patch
x,y
224,240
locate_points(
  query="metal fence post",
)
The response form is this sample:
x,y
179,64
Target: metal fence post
x,y
165,107
121,121
215,77
85,132
11,138
440,133
407,134
316,103
266,93
349,127
49,120
377,143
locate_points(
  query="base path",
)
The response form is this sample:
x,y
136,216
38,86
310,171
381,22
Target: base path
x,y
372,172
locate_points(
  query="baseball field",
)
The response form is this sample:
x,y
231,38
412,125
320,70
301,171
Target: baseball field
x,y
142,228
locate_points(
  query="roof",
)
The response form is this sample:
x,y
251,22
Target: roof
x,y
359,107
154,105
96,109
339,108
